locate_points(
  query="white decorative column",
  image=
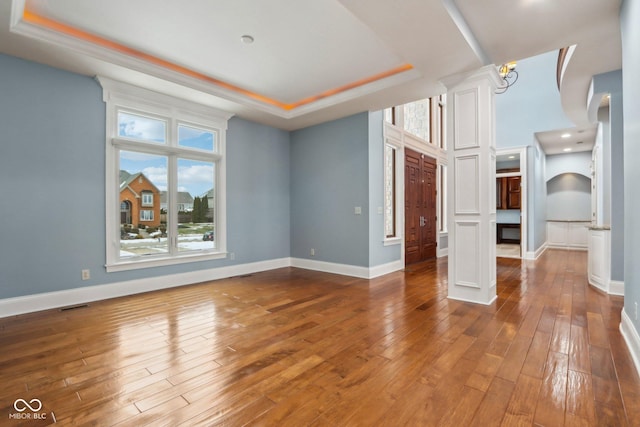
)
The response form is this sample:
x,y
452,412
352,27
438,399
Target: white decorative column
x,y
472,178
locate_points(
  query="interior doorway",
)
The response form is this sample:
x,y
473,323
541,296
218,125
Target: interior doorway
x,y
511,203
420,217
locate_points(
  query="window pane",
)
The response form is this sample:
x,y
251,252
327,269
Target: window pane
x,y
443,198
196,138
142,128
196,196
147,198
390,115
142,227
442,119
417,117
389,191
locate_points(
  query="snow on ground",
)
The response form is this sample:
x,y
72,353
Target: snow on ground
x,y
136,247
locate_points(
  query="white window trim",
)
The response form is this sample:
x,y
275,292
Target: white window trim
x,y
144,219
397,136
146,194
399,169
118,95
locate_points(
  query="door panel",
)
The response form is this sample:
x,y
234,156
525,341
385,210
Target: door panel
x,y
412,210
429,235
420,207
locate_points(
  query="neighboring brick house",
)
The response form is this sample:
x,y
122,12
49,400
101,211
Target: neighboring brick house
x,y
139,200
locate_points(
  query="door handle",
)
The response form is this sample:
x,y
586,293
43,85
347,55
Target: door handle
x,y
422,221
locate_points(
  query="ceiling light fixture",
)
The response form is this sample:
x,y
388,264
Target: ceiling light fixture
x,y
246,39
509,76
512,157
566,150
565,135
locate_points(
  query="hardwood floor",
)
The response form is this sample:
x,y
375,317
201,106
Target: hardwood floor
x,y
292,347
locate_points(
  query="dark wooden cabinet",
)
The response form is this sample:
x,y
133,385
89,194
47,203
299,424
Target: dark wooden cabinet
x,y
508,192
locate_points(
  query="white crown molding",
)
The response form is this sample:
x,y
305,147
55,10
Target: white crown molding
x,y
125,93
86,48
240,96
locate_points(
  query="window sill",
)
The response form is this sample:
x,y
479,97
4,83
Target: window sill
x,y
163,261
392,241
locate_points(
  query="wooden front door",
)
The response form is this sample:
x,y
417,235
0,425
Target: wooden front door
x,y
420,207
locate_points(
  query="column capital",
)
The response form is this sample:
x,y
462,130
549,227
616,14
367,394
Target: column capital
x,y
488,73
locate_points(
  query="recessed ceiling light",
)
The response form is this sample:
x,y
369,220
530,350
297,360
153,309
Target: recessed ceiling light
x,y
566,150
565,135
246,39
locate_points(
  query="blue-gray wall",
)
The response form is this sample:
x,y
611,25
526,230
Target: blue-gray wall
x,y
531,105
629,18
329,178
613,122
569,198
537,197
52,183
558,164
258,197
568,181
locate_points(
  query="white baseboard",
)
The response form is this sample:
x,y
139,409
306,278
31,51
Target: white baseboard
x,y
631,337
331,267
616,287
535,255
69,297
443,253
472,301
568,247
348,270
381,270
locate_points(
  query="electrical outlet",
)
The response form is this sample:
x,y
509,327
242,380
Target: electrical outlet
x,y
86,274
232,256
313,252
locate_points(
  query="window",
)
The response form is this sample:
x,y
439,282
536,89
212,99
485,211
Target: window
x,y
158,144
390,115
146,215
147,198
391,200
417,119
442,120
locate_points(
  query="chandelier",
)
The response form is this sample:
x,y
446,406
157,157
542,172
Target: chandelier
x,y
509,76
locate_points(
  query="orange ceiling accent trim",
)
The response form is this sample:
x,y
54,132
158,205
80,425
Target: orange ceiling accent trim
x,y
42,21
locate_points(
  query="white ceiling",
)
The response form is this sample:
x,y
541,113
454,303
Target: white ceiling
x,y
570,140
311,61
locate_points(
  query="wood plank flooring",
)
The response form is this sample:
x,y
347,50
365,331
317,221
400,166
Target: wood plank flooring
x,y
292,347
